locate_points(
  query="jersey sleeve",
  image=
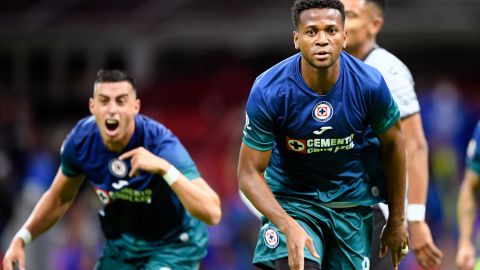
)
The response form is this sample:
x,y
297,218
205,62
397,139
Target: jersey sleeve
x,y
68,162
258,131
399,80
383,111
175,153
473,151
401,86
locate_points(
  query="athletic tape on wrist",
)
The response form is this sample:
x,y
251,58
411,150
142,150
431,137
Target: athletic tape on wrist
x,y
416,212
171,175
25,235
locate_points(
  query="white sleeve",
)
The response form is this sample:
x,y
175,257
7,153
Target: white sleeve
x,y
398,78
249,205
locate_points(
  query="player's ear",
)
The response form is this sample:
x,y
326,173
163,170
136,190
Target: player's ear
x,y
345,36
376,25
295,40
91,105
137,106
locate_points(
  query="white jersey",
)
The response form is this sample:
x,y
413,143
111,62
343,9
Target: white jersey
x,y
398,78
400,82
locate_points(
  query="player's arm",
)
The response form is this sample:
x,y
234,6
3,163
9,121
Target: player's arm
x,y
251,167
427,253
199,199
196,195
395,236
49,209
467,209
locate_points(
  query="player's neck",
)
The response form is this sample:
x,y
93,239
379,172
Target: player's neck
x,y
115,146
320,80
361,52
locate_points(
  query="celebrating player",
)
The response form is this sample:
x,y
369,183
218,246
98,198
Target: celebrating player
x,y
155,201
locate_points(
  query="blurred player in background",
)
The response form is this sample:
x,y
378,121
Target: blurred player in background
x,y
364,20
155,201
301,162
467,205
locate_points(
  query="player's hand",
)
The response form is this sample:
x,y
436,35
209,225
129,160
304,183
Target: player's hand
x,y
297,239
465,256
394,238
142,159
15,255
427,253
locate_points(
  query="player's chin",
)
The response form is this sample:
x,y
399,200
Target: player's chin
x,y
322,65
111,135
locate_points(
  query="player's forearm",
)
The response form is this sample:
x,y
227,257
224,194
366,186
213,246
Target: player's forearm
x,y
255,188
199,200
417,159
393,161
49,209
466,209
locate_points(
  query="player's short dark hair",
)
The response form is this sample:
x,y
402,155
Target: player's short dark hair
x,y
382,4
114,75
301,5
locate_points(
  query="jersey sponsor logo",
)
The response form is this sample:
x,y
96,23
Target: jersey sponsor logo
x,y
118,168
247,122
321,130
322,112
247,125
120,184
270,237
317,145
296,145
125,194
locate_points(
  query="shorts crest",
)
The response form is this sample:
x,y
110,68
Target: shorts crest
x,y
270,237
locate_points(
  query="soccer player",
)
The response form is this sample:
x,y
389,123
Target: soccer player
x,y
467,204
364,20
303,157
155,201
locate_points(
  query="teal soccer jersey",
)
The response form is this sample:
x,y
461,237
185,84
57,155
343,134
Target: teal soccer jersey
x,y
142,218
320,143
324,169
473,151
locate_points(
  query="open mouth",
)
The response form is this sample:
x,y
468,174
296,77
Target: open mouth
x,y
111,124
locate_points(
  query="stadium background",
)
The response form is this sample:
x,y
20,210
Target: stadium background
x,y
195,61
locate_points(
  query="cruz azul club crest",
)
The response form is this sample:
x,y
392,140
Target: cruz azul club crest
x,y
270,237
322,112
118,168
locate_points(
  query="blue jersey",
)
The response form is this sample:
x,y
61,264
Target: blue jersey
x,y
141,207
320,143
473,151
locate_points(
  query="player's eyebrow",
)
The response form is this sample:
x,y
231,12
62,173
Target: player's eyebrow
x,y
350,13
122,96
102,96
116,97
